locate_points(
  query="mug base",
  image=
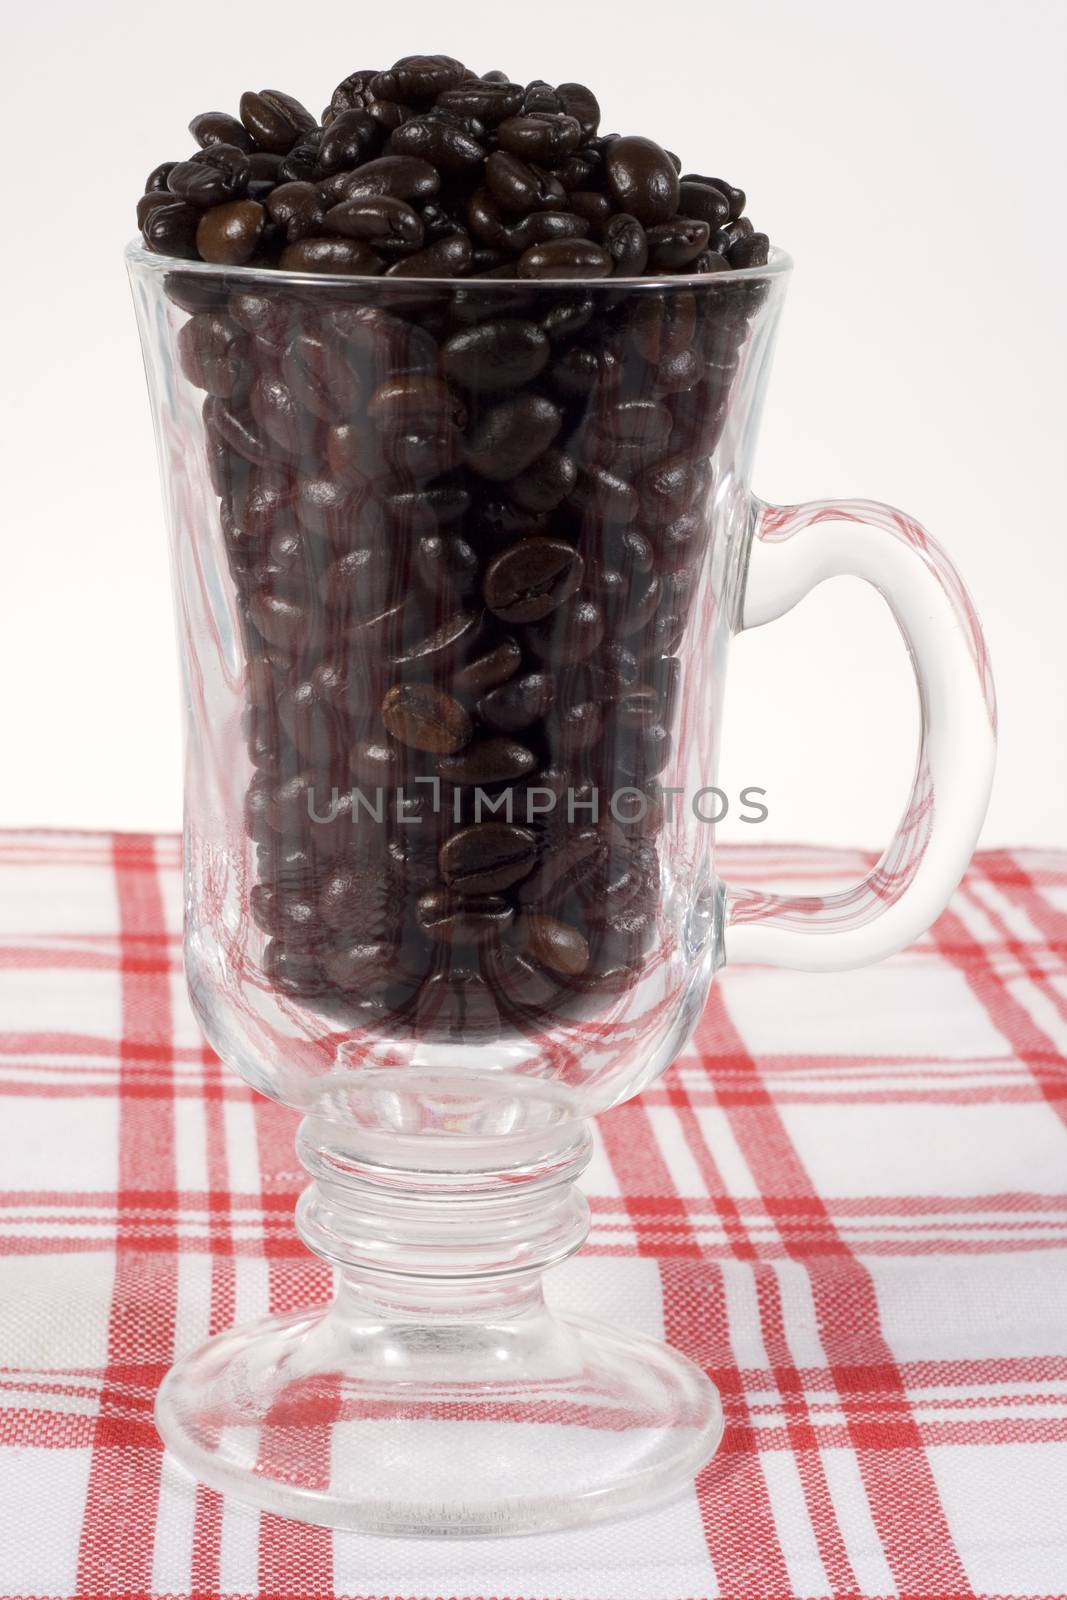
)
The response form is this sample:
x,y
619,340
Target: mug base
x,y
514,1425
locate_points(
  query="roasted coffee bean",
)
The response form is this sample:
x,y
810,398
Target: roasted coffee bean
x,y
320,376
490,103
518,187
735,198
499,354
704,201
542,226
359,967
357,898
569,634
212,352
676,244
297,973
488,761
581,104
565,258
575,728
390,226
673,485
554,944
350,138
394,177
425,718
449,257
605,496
663,325
173,230
274,120
545,140
488,857
450,918
626,242
330,255
430,652
446,564
485,672
643,179
545,483
414,401
156,182
511,435
212,177
593,206
418,78
752,251
375,762
297,209
518,703
532,578
443,144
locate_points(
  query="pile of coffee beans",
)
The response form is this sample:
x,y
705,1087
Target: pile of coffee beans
x,y
465,525
428,170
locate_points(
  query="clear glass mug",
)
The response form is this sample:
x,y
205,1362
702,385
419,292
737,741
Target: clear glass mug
x,y
457,565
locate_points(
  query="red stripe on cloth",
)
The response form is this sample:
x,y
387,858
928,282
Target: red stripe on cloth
x,y
846,1306
118,1529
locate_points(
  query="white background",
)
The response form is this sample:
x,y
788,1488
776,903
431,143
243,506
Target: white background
x,y
910,156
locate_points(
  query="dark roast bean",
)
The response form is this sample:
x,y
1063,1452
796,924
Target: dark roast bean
x,y
735,198
412,401
329,255
581,104
519,703
554,944
449,918
359,967
752,251
568,634
449,257
663,325
511,435
425,718
389,225
541,226
212,350
588,203
156,182
274,120
705,202
446,564
546,140
673,485
430,652
532,578
171,230
351,138
297,209
212,177
544,484
487,857
517,186
488,761
626,242
489,102
676,244
489,670
319,374
444,145
635,420
357,898
642,179
418,78
395,177
565,258
498,354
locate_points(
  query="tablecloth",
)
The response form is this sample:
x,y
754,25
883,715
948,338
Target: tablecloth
x,y
847,1200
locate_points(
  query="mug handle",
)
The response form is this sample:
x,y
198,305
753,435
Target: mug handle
x,y
792,549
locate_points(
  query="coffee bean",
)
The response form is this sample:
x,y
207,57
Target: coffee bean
x,y
498,354
675,244
446,147
449,640
212,177
172,229
445,258
496,666
643,179
569,634
212,351
565,258
546,482
297,209
330,255
735,198
532,578
425,718
752,251
705,202
511,435
350,138
389,225
414,400
274,120
518,703
452,919
488,761
394,177
487,857
554,944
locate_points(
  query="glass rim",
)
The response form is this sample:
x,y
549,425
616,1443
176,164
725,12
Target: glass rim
x,y
779,264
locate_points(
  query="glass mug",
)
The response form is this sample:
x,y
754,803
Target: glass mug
x,y
457,565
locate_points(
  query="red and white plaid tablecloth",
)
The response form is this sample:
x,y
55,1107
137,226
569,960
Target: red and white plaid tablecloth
x,y
848,1200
